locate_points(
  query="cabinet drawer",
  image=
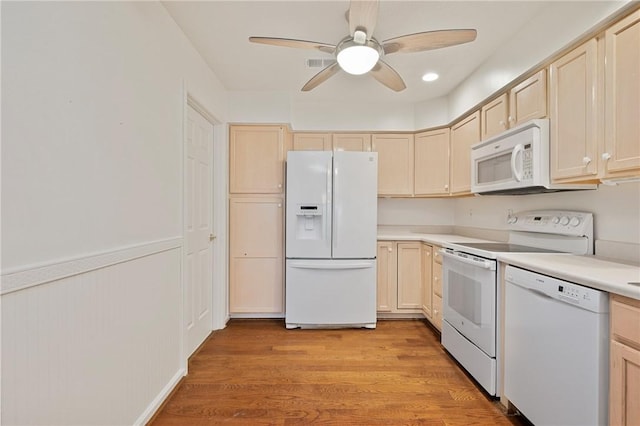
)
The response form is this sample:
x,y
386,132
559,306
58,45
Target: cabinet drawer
x,y
625,319
437,279
437,257
437,312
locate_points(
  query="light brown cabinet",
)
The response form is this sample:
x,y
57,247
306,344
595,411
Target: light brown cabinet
x,y
256,159
621,152
431,163
464,134
409,276
256,253
312,142
352,142
494,116
387,275
399,277
395,163
573,114
525,101
436,317
624,380
528,100
427,279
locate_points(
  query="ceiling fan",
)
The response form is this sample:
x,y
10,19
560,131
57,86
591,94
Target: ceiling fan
x,y
359,52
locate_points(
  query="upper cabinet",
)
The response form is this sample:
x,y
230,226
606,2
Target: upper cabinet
x,y
464,134
573,114
312,142
352,142
256,159
431,163
395,163
621,153
524,102
528,100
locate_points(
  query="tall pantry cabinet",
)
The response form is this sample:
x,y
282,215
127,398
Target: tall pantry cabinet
x,y
256,218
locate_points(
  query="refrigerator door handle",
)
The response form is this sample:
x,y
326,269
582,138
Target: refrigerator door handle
x,y
330,265
334,235
327,216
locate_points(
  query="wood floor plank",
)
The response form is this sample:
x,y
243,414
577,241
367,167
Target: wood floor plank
x,y
256,372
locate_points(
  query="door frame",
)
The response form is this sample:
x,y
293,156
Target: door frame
x,y
219,287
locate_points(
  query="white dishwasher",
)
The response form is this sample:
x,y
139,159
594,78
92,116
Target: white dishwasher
x,y
556,349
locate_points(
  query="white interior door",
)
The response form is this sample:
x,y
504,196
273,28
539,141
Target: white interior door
x,y
198,233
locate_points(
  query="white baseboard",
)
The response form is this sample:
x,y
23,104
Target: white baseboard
x,y
148,413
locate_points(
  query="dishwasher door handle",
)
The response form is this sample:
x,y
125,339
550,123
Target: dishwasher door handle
x,y
479,263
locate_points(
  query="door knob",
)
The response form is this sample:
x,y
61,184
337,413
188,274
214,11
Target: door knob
x,y
212,237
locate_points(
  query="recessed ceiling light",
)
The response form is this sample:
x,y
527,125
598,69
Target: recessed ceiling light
x,y
430,76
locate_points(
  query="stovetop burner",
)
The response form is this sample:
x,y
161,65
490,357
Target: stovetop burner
x,y
505,248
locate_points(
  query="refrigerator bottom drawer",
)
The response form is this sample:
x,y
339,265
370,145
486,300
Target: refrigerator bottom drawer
x,y
330,293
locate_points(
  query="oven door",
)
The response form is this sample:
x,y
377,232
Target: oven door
x,y
469,297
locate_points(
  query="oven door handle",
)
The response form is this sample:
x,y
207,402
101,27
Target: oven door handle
x,y
484,264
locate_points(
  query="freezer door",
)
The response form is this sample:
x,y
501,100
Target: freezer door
x,y
355,204
331,293
308,220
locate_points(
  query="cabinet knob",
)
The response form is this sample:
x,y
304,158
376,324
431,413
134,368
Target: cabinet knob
x,y
279,185
279,205
502,123
446,187
586,161
606,156
390,249
511,119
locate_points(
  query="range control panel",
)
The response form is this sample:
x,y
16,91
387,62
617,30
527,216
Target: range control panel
x,y
562,222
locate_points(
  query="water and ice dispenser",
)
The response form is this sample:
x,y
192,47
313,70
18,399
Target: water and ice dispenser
x,y
309,222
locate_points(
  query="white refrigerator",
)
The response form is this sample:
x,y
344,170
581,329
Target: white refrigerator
x,y
331,226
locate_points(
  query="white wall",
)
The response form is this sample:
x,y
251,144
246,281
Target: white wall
x,y
93,98
616,209
416,211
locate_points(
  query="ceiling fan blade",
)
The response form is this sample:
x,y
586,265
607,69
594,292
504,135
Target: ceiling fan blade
x,y
388,76
289,42
321,77
363,15
428,40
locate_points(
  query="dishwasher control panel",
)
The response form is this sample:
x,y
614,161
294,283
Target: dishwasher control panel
x,y
568,292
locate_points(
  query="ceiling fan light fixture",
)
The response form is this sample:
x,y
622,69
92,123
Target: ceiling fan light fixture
x,y
430,76
356,58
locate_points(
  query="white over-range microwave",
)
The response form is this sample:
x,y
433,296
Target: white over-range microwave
x,y
516,162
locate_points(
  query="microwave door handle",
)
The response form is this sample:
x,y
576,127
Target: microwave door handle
x,y
517,174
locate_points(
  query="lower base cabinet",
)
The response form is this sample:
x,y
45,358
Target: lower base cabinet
x,y
256,256
624,380
399,277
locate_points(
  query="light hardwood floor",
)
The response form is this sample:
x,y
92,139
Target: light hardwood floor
x,y
255,372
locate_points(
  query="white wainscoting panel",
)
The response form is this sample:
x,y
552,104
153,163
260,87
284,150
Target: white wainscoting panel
x,y
96,348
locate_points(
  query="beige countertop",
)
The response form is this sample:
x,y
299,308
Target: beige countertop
x,y
591,271
438,239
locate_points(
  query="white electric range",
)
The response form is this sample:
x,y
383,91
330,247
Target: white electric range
x,y
470,328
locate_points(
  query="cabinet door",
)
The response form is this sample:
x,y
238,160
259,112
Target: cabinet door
x,y
387,275
312,142
256,159
624,395
395,163
431,162
494,117
437,312
409,275
464,134
574,142
622,98
427,288
352,142
528,100
256,283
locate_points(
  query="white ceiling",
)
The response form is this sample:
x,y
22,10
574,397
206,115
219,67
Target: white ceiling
x,y
220,30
